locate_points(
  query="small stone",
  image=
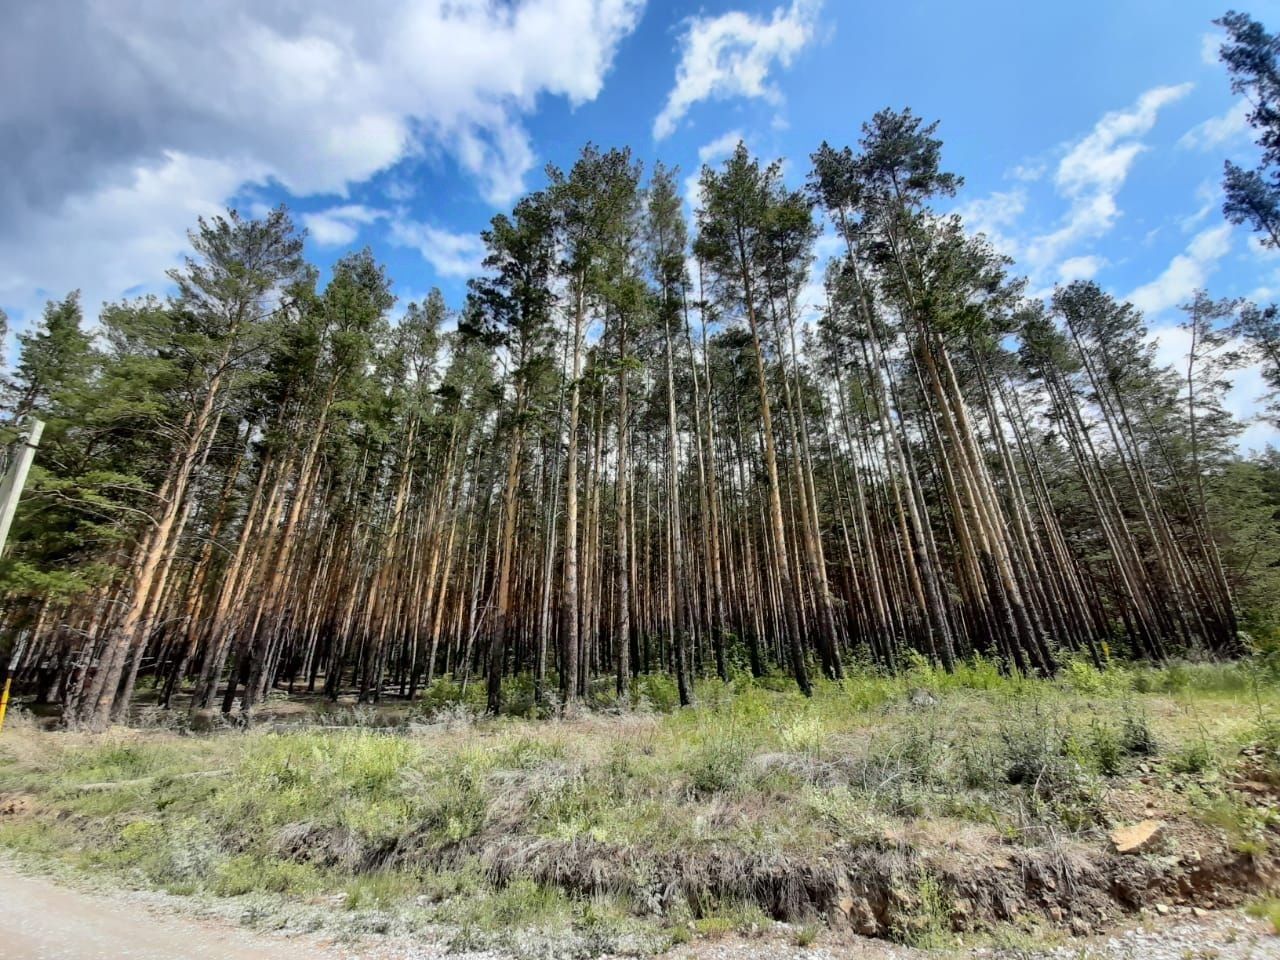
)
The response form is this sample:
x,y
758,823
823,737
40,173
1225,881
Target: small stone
x,y
1162,909
1137,838
1199,912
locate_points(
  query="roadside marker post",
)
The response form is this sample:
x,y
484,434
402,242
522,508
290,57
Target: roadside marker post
x,y
15,479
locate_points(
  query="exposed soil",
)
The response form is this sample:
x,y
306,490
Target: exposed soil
x,y
872,889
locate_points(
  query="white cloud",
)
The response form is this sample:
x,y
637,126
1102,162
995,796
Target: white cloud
x,y
1209,44
1092,172
731,55
339,226
1101,161
450,254
811,299
1080,268
1244,397
1185,273
138,95
1260,253
139,229
1216,131
1029,172
1209,193
721,146
993,215
717,149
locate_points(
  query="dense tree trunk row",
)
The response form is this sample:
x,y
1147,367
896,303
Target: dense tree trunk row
x,y
627,455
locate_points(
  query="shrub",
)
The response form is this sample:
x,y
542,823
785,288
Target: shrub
x,y
456,806
380,890
447,696
1106,749
1136,736
1047,765
1028,753
1243,826
980,673
928,923
807,935
248,874
1083,677
716,766
657,690
1194,758
804,735
1268,910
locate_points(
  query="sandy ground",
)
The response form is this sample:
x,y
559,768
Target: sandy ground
x,y
44,920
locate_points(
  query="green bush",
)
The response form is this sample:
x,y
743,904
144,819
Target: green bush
x,y
249,874
1106,749
444,695
1195,758
456,806
658,690
1047,765
1083,677
1267,909
381,890
1136,736
716,766
927,925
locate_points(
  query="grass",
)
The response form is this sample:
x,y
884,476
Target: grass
x,y
1267,909
545,836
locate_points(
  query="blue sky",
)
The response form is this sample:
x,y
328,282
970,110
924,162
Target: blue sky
x,y
1090,134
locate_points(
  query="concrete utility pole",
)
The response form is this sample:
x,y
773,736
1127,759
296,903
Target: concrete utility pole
x,y
15,479
16,476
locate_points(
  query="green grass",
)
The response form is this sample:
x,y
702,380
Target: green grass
x,y
1267,909
397,825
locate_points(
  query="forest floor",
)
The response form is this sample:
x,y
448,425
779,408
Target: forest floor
x,y
967,811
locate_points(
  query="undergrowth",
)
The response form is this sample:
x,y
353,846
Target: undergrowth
x,y
396,824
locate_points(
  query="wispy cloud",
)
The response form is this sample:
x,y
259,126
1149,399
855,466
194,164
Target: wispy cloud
x,y
1210,43
1080,268
1209,195
1217,131
1091,173
339,226
1185,273
450,254
732,55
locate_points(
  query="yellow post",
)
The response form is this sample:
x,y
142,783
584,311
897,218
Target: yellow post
x,y
4,701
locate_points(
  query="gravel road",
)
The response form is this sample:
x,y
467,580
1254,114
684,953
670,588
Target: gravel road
x,y
40,920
